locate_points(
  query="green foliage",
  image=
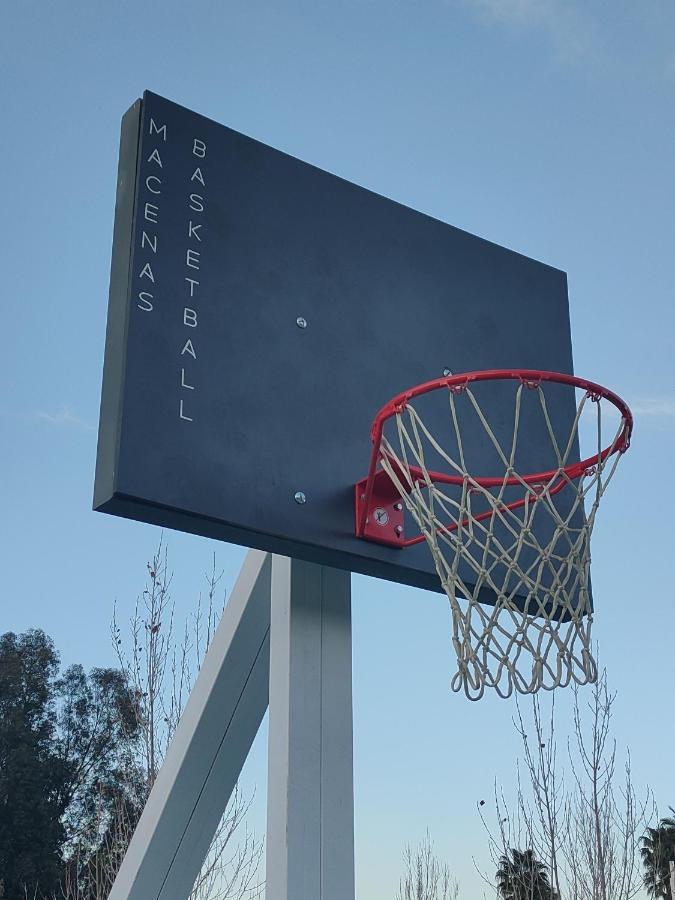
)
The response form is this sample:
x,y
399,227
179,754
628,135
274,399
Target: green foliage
x,y
31,772
657,849
520,876
97,733
66,763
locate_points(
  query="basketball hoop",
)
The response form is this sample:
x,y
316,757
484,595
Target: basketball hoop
x,y
480,528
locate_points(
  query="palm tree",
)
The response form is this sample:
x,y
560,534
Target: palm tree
x,y
657,850
520,876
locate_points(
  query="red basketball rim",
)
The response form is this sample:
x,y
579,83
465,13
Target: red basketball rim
x,y
531,378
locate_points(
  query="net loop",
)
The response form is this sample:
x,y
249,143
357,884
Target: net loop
x,y
457,388
521,539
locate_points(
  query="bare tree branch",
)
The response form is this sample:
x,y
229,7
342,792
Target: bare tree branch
x,y
585,828
161,670
425,876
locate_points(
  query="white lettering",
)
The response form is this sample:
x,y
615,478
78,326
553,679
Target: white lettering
x,y
192,285
146,301
155,157
197,176
188,348
155,130
192,261
150,211
151,241
153,178
185,418
147,272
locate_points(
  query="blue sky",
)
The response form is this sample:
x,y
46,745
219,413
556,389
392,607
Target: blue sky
x,y
543,125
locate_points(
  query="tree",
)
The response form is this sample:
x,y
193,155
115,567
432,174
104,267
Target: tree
x,y
657,850
79,754
98,735
31,776
521,876
582,821
62,739
426,877
103,796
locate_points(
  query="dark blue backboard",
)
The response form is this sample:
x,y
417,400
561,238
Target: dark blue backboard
x,y
217,407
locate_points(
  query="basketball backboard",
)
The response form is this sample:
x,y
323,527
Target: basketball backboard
x,y
262,311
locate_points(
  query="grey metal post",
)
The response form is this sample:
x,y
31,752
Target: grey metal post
x,y
310,818
211,742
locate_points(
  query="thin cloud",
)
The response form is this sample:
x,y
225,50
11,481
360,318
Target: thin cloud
x,y
570,32
63,418
657,407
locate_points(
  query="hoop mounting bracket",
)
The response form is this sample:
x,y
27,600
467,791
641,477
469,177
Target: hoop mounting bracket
x,y
384,521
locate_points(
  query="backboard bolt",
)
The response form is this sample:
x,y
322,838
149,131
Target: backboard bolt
x,y
447,371
300,497
399,530
301,322
398,507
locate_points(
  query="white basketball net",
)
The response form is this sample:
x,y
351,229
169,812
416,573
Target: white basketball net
x,y
538,635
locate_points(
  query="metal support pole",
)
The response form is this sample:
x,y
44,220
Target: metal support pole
x,y
310,818
301,661
209,747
